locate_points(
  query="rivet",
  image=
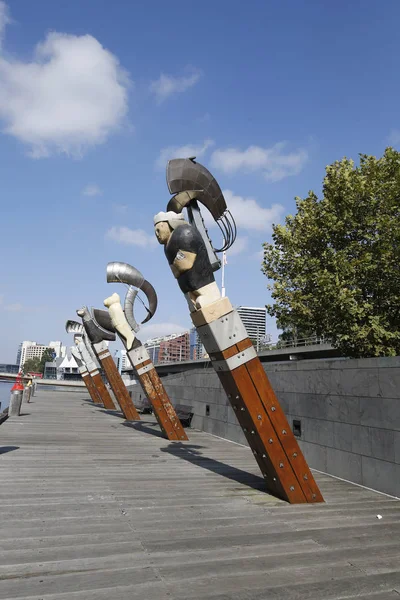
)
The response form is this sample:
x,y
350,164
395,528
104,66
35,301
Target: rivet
x,y
235,407
291,488
273,408
259,417
230,337
284,431
252,432
265,475
274,479
242,408
305,477
264,456
294,454
281,465
270,441
244,429
237,397
255,452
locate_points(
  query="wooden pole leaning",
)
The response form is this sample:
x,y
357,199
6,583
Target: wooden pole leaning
x,y
153,387
86,377
117,385
256,406
97,336
94,371
193,261
149,380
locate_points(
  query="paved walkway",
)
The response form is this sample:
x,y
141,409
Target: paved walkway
x,y
93,508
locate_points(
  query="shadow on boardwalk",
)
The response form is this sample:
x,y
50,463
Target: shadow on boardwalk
x,y
4,449
192,454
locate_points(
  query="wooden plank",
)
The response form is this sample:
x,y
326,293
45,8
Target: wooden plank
x,y
167,405
158,408
91,388
118,387
283,431
103,391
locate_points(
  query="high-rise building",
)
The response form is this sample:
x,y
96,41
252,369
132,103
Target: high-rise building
x,y
255,321
175,349
197,349
28,349
121,360
169,348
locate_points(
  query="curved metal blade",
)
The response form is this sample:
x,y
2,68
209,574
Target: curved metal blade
x,y
95,333
125,273
103,319
186,175
74,327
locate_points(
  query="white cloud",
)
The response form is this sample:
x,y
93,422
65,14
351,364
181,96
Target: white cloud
x,y
168,85
4,19
131,237
394,137
159,329
274,162
120,209
248,214
238,247
92,190
71,96
17,307
186,151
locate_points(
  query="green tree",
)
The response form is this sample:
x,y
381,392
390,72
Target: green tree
x,y
32,365
335,264
47,356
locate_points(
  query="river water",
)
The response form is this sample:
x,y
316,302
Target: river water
x,y
5,391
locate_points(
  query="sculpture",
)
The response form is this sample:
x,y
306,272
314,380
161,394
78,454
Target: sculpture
x,y
192,259
124,322
98,335
87,355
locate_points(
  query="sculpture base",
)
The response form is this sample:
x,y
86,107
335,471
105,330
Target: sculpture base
x,y
117,385
91,388
153,388
262,419
102,390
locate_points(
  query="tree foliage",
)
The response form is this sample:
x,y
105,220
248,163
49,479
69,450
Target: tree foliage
x,y
32,365
47,356
335,264
37,365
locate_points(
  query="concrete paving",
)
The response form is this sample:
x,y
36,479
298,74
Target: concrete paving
x,y
92,507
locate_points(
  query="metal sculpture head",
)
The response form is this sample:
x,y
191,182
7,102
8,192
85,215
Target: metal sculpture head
x,y
94,332
190,182
74,327
119,272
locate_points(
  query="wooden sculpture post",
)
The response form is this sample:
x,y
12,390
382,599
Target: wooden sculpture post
x,y
94,371
149,380
125,324
97,336
225,339
86,377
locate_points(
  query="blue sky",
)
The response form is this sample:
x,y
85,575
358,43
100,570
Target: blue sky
x,y
96,96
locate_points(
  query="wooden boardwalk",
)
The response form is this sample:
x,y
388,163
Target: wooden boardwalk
x,y
92,508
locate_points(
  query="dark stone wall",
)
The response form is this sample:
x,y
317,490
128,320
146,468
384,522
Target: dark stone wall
x,y
349,412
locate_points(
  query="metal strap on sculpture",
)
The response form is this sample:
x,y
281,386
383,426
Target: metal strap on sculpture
x,y
98,336
124,323
193,261
90,361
